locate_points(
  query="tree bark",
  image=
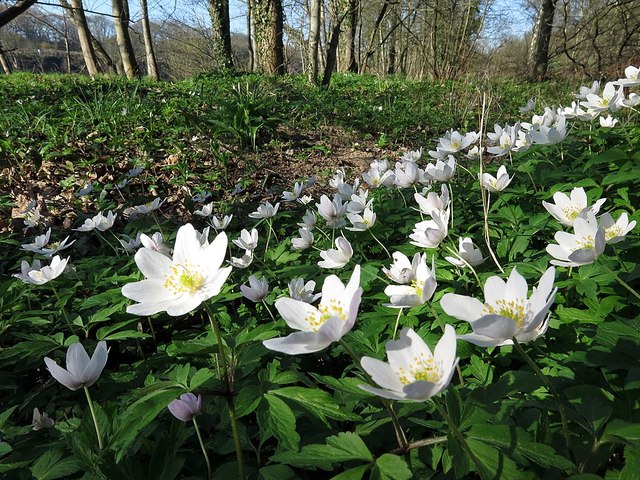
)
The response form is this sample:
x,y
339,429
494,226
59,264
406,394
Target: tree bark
x,y
268,20
314,39
219,13
84,36
120,9
13,11
152,64
539,49
4,62
352,64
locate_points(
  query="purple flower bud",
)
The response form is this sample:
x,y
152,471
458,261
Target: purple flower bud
x,y
186,407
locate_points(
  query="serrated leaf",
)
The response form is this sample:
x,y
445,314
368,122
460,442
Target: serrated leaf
x,y
277,472
317,402
51,465
283,423
354,473
247,400
391,467
620,431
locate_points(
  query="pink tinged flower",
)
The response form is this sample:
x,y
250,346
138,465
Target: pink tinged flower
x,y
36,274
402,270
567,208
468,254
81,371
247,240
180,284
418,292
433,202
581,247
298,290
305,240
186,407
615,231
41,420
266,210
506,313
337,257
497,183
430,233
319,327
413,372
257,290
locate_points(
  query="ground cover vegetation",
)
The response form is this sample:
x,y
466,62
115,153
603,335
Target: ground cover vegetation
x,y
251,277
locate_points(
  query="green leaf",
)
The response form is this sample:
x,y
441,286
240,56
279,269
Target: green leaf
x,y
248,400
622,432
352,443
277,472
391,467
354,473
200,377
51,465
283,423
496,464
318,403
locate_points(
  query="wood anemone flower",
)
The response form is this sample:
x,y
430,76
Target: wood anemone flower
x,y
81,371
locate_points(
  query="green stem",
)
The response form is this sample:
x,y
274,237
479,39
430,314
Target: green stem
x,y
622,282
269,311
204,450
554,392
236,440
95,420
104,239
64,311
221,352
400,436
380,243
395,328
463,442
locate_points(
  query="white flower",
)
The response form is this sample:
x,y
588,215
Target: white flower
x,y
468,254
413,372
128,243
504,138
453,141
203,237
376,177
632,100
155,242
337,179
615,232
221,224
257,289
36,274
180,284
99,222
506,312
474,153
134,172
567,208
298,290
608,100
321,326
418,292
206,210
305,199
359,202
407,174
247,240
494,184
346,191
433,202
632,75
362,222
332,211
550,135
38,243
201,197
265,210
308,220
295,194
146,208
531,104
244,261
81,371
41,420
338,257
608,121
430,233
411,156
305,240
584,91
402,271
31,218
86,190
581,247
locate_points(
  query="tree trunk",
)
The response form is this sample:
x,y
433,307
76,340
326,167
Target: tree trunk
x,y
4,62
13,11
67,50
152,64
84,36
539,49
268,20
251,37
351,63
120,9
219,13
376,26
314,39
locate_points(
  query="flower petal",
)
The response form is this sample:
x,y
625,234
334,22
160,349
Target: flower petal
x,y
77,359
297,343
461,306
95,366
381,373
61,375
152,264
495,326
296,313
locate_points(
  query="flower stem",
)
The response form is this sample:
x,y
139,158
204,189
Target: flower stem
x,y
104,239
479,466
64,311
204,451
221,352
400,436
395,328
380,243
269,311
554,392
622,282
236,440
95,420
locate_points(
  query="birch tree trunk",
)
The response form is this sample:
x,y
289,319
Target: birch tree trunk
x,y
4,62
152,64
84,36
120,9
539,49
314,39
